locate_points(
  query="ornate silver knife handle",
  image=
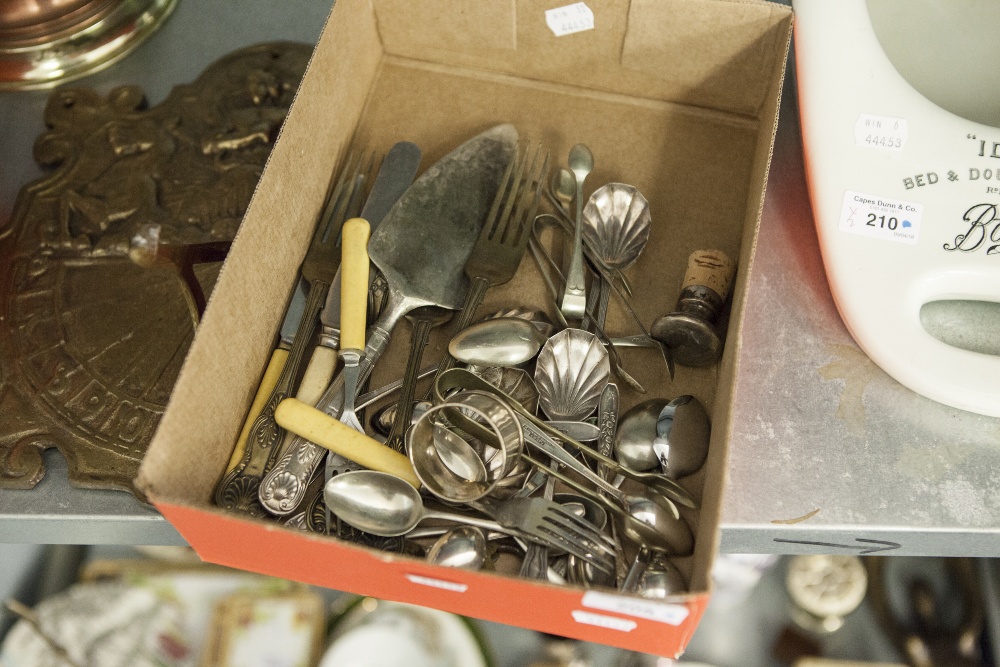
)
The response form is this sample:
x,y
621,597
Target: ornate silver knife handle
x,y
284,487
607,421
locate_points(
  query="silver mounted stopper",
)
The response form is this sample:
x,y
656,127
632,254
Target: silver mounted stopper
x,y
689,332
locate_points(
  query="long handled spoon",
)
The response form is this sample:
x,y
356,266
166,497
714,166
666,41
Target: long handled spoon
x,y
574,302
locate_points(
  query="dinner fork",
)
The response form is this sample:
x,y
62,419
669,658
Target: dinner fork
x,y
504,236
238,489
551,524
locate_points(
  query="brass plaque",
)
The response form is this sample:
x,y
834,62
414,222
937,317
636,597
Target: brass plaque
x,y
91,343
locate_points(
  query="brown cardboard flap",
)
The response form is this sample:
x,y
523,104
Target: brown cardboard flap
x,y
706,53
207,407
449,26
717,466
728,50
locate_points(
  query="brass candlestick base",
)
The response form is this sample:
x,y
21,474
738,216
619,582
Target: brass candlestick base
x,y
46,43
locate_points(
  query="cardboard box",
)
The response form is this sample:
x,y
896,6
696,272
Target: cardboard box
x,y
677,97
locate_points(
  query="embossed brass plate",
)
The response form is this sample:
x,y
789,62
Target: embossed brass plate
x,y
90,342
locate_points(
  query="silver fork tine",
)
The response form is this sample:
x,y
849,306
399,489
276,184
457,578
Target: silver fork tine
x,y
528,216
586,537
492,217
566,542
557,540
589,529
541,512
349,197
339,193
514,194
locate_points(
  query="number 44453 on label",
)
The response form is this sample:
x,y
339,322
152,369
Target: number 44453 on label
x,y
881,217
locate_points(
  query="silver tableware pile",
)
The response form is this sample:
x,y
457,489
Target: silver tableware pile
x,y
518,450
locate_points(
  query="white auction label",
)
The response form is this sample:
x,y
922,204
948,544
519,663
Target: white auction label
x,y
881,132
610,622
569,19
661,612
881,217
438,583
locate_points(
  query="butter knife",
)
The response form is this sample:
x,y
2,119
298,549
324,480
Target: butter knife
x,y
283,488
289,325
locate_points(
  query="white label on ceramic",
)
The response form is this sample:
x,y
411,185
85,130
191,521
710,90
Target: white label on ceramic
x,y
600,620
438,583
881,132
661,612
567,20
881,217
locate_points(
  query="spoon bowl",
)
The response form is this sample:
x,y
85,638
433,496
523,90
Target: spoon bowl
x,y
571,371
616,223
375,502
671,434
564,187
647,522
457,455
504,341
581,163
661,580
463,548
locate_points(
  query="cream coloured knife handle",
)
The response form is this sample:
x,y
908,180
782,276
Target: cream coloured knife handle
x,y
267,382
354,284
332,434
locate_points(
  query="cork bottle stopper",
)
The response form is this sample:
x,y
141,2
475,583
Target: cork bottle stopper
x,y
711,268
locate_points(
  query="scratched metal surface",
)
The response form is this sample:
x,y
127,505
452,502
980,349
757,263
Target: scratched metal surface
x,y
818,426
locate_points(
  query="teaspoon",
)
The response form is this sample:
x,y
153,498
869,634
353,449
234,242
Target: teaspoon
x,y
574,302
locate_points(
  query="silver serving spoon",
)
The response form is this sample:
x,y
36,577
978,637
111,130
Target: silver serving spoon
x,y
385,505
574,302
616,224
504,341
463,548
671,434
571,372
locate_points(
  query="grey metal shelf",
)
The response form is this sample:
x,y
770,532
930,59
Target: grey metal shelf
x,y
817,426
56,513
